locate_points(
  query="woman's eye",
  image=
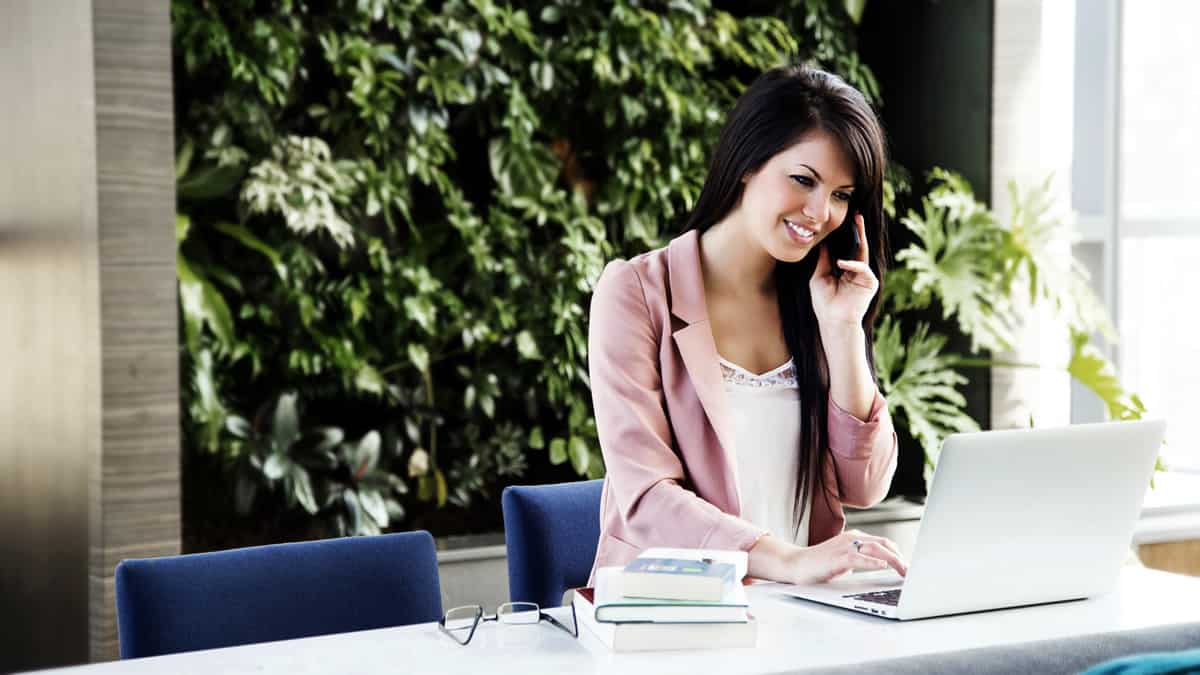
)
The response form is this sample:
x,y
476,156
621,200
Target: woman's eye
x,y
803,180
842,196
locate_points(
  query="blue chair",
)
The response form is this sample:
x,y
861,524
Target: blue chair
x,y
263,593
551,533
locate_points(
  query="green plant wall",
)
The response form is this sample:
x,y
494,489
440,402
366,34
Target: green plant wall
x,y
392,214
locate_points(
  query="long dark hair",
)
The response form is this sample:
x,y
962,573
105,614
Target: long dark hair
x,y
774,113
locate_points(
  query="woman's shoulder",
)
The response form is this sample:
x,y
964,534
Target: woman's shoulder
x,y
648,270
637,286
652,269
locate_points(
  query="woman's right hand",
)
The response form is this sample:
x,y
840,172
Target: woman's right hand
x,y
850,551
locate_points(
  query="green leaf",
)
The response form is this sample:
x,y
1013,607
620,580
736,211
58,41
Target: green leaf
x,y
543,75
1040,240
551,14
209,183
958,259
247,239
579,455
854,9
206,408
369,380
373,505
521,169
595,468
182,225
277,466
285,425
419,356
238,426
535,439
526,346
302,488
202,305
366,454
353,511
395,510
558,451
440,481
1094,371
320,440
184,159
920,384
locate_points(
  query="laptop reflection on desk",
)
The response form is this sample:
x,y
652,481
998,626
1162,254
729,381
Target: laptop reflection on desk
x,y
1014,518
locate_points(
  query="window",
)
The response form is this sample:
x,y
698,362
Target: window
x,y
1136,186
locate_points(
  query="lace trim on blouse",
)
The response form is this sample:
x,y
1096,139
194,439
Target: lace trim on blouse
x,y
783,377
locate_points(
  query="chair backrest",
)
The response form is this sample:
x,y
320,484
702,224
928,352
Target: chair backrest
x,y
551,533
263,593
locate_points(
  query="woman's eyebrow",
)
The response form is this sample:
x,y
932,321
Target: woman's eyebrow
x,y
818,175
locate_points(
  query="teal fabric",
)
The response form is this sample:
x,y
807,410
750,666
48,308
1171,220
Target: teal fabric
x,y
1160,663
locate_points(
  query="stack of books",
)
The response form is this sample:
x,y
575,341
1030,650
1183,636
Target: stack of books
x,y
670,599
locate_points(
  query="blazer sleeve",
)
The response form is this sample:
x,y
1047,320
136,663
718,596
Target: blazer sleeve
x,y
864,452
643,469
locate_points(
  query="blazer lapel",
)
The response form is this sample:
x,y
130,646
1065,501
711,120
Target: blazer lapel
x,y
699,350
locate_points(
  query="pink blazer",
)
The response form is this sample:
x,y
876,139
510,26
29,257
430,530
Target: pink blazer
x,y
664,427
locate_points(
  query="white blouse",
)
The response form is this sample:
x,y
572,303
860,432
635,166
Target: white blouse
x,y
766,416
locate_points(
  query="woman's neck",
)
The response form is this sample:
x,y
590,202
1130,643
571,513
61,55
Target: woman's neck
x,y
733,263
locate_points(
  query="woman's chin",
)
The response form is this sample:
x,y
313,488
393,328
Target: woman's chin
x,y
790,252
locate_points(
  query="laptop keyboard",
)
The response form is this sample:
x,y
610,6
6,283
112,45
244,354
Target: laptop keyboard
x,y
891,597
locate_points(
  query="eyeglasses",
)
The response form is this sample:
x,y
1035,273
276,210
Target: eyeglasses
x,y
461,621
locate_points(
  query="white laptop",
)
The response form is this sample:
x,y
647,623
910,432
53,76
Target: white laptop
x,y
1015,518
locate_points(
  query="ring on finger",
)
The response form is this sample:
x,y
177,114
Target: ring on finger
x,y
857,545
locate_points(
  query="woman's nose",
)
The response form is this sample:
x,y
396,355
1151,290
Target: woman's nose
x,y
816,207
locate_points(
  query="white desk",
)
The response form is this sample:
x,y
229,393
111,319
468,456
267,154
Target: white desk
x,y
794,635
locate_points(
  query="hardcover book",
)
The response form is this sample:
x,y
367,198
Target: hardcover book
x,y
704,580
639,637
614,606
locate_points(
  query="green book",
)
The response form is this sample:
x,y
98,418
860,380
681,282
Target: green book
x,y
614,605
664,578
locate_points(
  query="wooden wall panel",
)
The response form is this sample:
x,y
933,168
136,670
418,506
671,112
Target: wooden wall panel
x,y
138,481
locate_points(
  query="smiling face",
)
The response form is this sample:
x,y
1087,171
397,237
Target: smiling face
x,y
798,197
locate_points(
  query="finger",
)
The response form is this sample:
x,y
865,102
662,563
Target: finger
x,y
863,245
884,541
824,268
861,562
856,266
861,274
877,553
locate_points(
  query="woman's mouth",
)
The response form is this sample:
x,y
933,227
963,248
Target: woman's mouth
x,y
798,234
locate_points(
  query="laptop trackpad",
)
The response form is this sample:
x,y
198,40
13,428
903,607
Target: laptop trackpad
x,y
859,581
847,584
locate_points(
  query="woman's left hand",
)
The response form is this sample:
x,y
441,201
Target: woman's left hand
x,y
843,301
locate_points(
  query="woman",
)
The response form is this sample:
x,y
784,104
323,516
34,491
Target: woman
x,y
731,371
